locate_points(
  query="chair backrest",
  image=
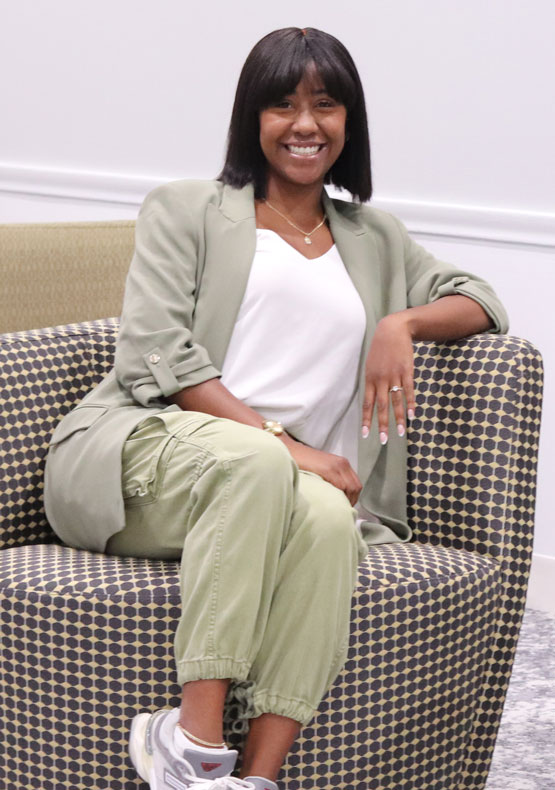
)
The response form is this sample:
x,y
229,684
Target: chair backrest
x,y
472,447
43,374
62,272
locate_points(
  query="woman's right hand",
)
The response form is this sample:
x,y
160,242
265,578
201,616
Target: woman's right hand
x,y
333,468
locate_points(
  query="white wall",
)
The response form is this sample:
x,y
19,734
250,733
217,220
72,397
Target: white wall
x,y
101,101
458,93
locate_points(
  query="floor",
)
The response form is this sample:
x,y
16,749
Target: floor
x,y
524,757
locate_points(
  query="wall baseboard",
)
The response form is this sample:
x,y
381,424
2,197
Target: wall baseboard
x,y
473,223
541,587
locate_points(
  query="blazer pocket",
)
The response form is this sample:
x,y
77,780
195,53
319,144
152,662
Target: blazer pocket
x,y
79,419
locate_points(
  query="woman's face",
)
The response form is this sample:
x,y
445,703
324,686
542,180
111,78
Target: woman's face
x,y
303,134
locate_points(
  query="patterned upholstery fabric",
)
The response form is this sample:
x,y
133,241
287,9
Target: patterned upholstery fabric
x,y
87,639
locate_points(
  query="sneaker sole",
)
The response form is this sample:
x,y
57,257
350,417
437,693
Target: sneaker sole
x,y
137,749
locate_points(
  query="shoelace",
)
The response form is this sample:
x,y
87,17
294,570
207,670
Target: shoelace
x,y
222,783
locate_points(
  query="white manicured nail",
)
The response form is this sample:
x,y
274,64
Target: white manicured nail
x,y
365,431
401,429
383,437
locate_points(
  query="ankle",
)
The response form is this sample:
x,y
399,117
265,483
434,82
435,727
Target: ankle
x,y
201,711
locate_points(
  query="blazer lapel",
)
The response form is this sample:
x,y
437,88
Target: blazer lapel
x,y
360,257
357,250
230,236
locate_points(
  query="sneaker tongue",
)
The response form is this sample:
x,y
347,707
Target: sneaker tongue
x,y
210,765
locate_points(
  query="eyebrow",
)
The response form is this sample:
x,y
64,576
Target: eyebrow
x,y
317,92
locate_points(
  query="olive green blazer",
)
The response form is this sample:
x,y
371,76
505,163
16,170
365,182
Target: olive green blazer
x,y
194,245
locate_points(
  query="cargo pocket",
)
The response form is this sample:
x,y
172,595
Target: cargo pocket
x,y
144,466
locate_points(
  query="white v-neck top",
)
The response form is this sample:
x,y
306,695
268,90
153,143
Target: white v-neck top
x,y
295,348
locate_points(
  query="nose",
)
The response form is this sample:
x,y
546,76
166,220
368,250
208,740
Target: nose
x,y
305,122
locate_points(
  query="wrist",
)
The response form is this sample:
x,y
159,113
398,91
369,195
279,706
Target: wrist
x,y
404,319
287,440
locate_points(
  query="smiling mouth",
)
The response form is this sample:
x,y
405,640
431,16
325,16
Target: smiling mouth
x,y
305,150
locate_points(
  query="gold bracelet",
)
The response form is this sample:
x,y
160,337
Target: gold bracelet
x,y
273,426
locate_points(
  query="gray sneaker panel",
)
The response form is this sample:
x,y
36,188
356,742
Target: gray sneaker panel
x,y
174,767
170,769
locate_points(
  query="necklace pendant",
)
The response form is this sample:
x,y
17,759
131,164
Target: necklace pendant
x,y
307,240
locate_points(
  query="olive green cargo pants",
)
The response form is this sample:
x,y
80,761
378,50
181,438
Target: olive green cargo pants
x,y
269,555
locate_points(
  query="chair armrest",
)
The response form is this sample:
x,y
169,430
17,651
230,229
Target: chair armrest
x,y
473,445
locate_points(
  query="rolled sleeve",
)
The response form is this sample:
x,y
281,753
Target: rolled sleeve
x,y
166,380
429,279
156,352
482,293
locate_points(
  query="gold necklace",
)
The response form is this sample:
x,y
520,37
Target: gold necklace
x,y
307,239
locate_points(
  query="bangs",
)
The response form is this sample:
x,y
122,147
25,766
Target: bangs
x,y
281,74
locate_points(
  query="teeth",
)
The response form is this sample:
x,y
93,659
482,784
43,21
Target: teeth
x,y
304,149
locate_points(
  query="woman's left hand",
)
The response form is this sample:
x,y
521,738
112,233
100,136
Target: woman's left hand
x,y
390,363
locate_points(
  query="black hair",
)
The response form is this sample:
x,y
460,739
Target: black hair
x,y
273,69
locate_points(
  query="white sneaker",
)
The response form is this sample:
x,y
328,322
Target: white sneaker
x,y
259,783
158,762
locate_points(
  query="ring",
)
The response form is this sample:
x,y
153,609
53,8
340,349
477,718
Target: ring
x,y
396,388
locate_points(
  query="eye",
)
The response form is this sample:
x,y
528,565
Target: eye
x,y
327,103
282,104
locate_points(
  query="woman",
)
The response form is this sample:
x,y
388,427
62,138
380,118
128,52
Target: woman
x,y
262,372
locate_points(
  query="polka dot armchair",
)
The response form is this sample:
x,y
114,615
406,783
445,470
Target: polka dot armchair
x,y
87,639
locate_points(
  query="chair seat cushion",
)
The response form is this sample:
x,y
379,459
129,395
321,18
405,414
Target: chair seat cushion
x,y
73,573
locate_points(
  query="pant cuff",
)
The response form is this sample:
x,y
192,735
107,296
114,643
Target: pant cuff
x,y
267,702
211,669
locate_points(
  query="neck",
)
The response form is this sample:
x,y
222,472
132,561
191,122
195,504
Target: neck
x,y
302,203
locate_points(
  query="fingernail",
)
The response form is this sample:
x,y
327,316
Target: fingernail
x,y
410,414
383,437
401,429
365,431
